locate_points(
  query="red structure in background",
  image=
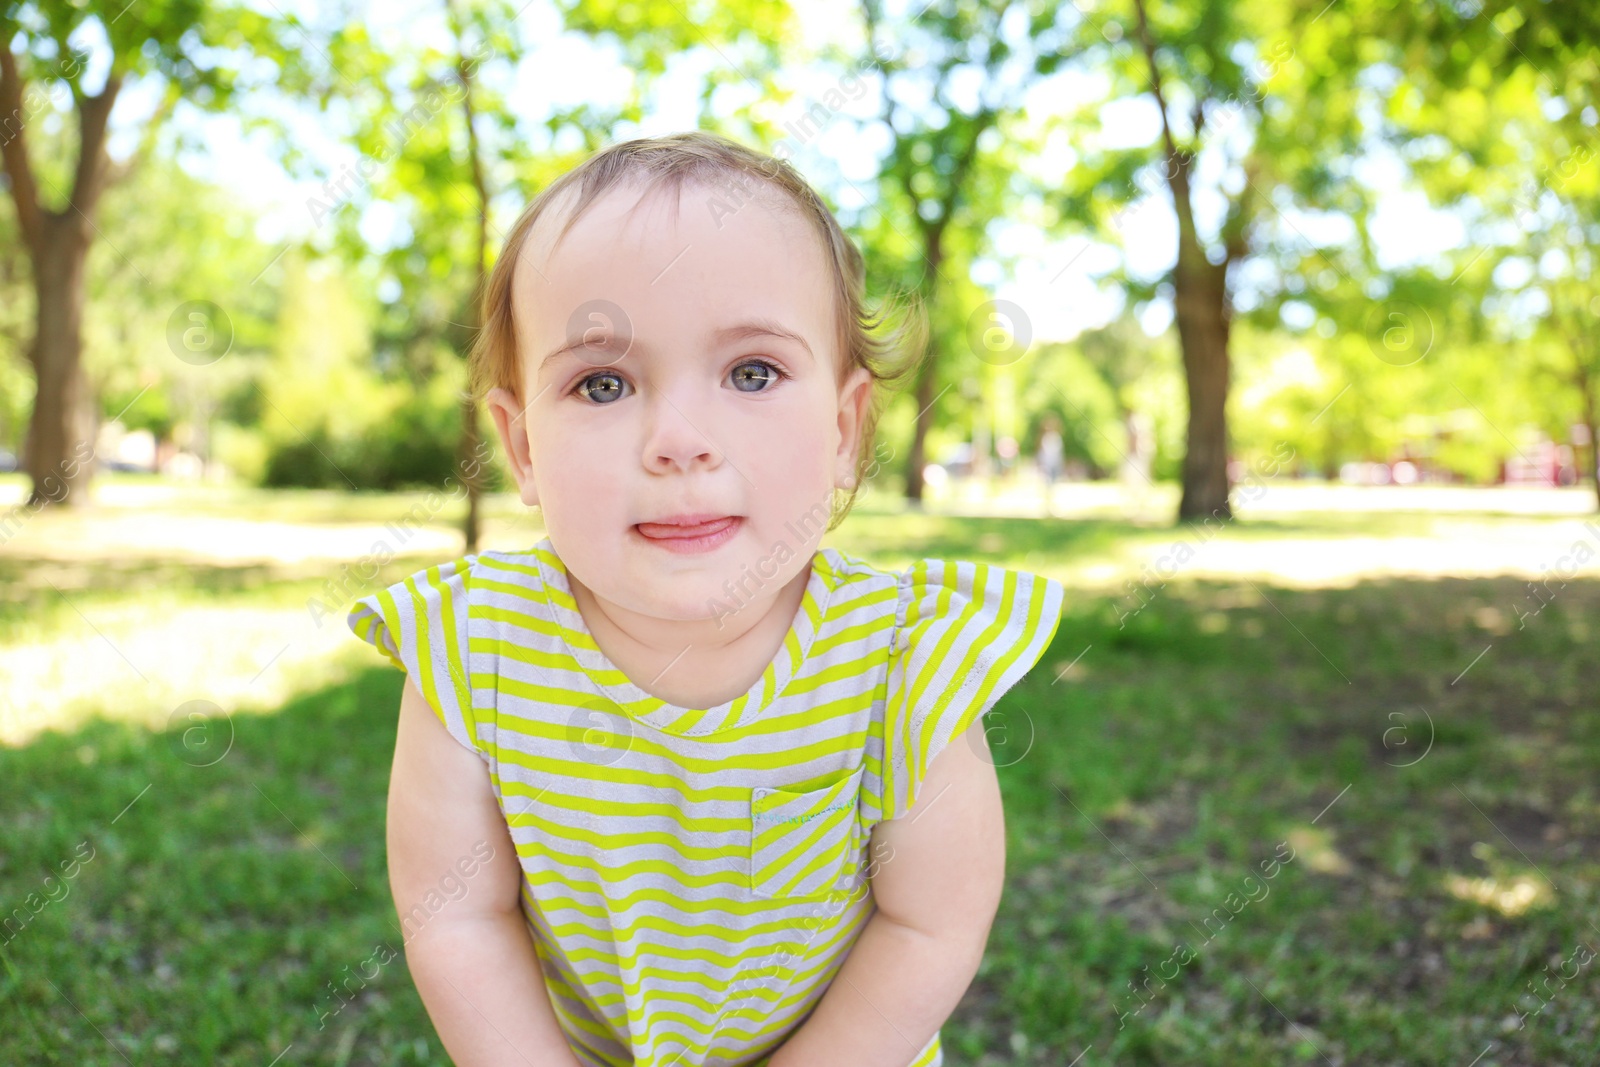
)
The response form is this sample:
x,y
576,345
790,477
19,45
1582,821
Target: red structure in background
x,y
1545,463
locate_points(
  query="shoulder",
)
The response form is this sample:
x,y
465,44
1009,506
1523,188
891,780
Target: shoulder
x,y
965,634
443,593
974,603
938,597
509,572
485,576
855,587
410,608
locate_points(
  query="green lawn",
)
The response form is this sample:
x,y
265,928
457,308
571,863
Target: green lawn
x,y
1437,833
1184,748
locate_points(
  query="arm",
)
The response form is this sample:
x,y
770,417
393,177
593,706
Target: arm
x,y
937,893
472,959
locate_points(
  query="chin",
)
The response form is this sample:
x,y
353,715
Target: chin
x,y
694,601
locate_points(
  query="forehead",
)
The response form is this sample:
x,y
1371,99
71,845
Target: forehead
x,y
674,266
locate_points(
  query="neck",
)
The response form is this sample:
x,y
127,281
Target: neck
x,y
694,663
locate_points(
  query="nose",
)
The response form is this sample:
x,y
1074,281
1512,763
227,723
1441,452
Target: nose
x,y
676,439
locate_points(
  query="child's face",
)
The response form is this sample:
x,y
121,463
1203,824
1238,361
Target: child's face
x,y
678,417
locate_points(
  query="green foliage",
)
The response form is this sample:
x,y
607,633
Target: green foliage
x,y
1086,404
410,445
1489,108
331,422
749,34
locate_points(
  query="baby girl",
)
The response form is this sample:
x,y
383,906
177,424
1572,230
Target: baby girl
x,y
737,802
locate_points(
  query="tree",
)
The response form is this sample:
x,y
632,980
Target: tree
x,y
1198,63
1121,354
940,150
466,457
1497,107
1255,127
1199,279
427,132
175,44
1570,354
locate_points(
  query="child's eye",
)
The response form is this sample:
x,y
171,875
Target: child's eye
x,y
608,389
758,371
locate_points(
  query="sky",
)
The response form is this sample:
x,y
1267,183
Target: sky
x,y
1053,277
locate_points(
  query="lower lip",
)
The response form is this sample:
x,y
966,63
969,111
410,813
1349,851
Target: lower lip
x,y
703,538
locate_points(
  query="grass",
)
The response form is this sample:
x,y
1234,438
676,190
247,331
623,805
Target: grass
x,y
1172,760
223,900
1431,768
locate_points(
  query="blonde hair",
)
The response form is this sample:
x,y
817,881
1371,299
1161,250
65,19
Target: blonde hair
x,y
891,356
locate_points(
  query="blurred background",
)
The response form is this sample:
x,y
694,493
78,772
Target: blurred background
x,y
1270,328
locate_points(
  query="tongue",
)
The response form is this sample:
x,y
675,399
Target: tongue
x,y
659,529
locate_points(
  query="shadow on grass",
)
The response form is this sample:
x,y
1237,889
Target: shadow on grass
x,y
1426,756
234,881
1420,768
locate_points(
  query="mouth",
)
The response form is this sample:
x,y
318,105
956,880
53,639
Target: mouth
x,y
689,532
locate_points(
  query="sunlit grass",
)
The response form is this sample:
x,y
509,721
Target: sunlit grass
x,y
1510,896
138,666
124,597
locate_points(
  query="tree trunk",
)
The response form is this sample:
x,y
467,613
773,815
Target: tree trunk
x,y
468,463
933,257
59,450
917,458
1200,305
1589,421
60,445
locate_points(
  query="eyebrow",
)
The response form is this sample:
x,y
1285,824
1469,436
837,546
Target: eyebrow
x,y
742,331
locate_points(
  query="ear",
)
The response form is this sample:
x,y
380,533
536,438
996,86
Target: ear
x,y
855,398
511,419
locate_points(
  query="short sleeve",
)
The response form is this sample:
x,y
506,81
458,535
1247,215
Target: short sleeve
x,y
420,624
965,633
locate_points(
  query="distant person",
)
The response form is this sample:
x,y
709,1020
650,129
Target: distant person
x,y
1006,448
688,737
1137,487
1051,457
1141,450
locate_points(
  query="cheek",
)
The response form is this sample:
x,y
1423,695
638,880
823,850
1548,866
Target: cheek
x,y
579,466
789,453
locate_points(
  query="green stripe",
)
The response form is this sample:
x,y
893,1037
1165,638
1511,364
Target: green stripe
x,y
452,646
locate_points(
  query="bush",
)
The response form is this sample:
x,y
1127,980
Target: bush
x,y
414,446
307,463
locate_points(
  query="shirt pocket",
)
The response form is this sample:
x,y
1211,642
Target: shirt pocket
x,y
801,838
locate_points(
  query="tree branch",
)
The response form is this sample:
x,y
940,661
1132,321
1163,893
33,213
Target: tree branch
x,y
1234,244
480,183
94,114
1191,256
958,176
1155,84
14,150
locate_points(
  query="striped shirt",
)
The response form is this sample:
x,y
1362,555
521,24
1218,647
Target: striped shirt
x,y
693,878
